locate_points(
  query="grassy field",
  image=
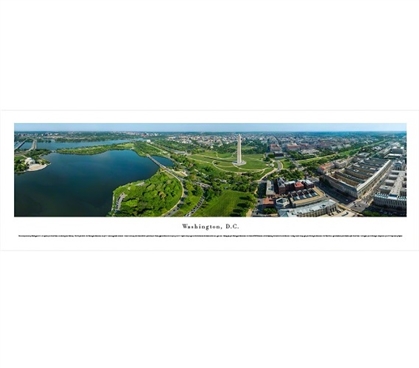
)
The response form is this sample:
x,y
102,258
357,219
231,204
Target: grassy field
x,y
224,205
210,159
224,155
172,145
316,159
127,145
227,167
286,164
93,150
254,162
368,213
216,155
202,158
143,148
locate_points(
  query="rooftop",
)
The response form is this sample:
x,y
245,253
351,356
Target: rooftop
x,y
295,212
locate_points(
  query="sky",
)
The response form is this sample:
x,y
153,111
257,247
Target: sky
x,y
210,127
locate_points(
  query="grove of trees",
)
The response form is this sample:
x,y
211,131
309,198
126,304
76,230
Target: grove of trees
x,y
151,198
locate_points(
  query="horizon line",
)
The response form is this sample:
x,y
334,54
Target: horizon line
x,y
215,131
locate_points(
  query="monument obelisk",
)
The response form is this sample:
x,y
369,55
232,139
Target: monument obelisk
x,y
239,152
239,149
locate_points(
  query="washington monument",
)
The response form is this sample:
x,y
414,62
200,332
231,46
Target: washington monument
x,y
239,152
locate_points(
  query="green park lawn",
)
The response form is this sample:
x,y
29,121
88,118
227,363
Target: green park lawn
x,y
202,158
94,150
227,204
212,154
285,164
316,159
254,162
144,148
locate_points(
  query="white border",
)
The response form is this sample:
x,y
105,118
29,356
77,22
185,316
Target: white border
x,y
12,227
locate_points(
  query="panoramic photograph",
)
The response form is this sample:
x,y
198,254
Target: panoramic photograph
x,y
210,170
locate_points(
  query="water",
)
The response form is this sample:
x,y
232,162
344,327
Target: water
x,y
79,185
56,145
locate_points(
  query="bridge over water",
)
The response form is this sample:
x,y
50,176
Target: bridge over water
x,y
33,147
20,145
156,162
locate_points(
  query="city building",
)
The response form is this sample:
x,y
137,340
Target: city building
x,y
29,161
359,178
292,147
270,191
308,184
325,168
342,163
305,197
268,202
397,150
298,185
399,165
282,202
393,193
324,207
284,187
276,150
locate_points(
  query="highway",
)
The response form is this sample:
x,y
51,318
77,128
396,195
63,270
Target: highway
x,y
175,208
20,145
33,147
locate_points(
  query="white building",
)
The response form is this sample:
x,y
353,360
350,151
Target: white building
x,y
29,161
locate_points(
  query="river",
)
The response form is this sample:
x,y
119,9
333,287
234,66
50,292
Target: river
x,y
79,185
56,145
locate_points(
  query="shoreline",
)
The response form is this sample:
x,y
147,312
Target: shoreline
x,y
36,167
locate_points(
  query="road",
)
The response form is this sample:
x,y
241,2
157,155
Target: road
x,y
259,205
343,200
24,153
360,204
120,199
196,208
175,208
20,145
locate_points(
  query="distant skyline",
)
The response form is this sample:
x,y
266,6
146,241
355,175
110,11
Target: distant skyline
x,y
212,127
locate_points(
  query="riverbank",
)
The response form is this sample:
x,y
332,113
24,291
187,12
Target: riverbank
x,y
141,148
152,197
78,185
94,150
37,167
32,160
